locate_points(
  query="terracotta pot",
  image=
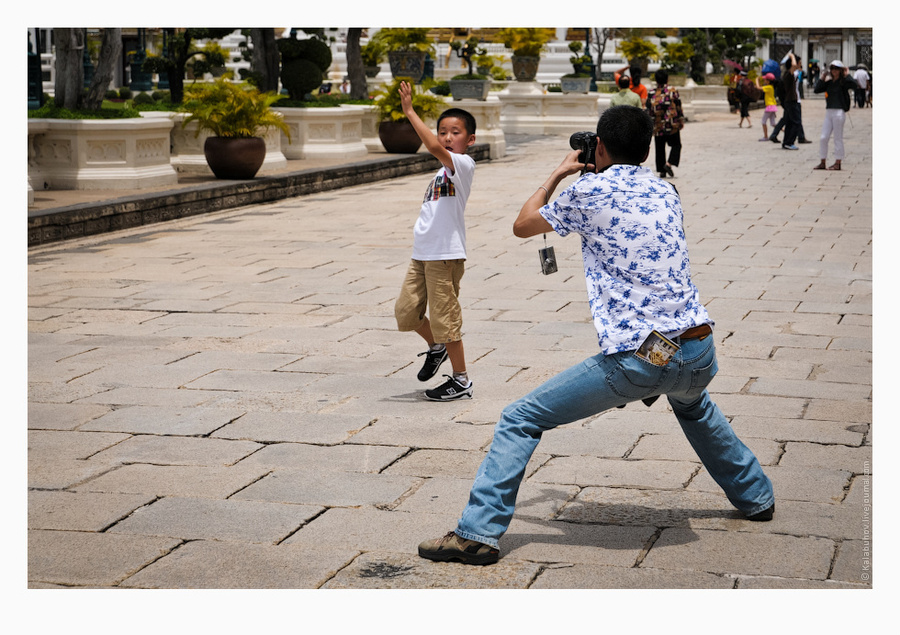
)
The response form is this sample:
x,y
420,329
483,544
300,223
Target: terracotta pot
x,y
235,158
399,137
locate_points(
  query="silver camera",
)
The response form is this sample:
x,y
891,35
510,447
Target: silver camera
x,y
548,260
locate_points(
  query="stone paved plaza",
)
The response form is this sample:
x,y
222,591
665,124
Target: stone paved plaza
x,y
225,402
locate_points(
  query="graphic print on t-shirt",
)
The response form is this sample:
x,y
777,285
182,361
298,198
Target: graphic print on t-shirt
x,y
440,187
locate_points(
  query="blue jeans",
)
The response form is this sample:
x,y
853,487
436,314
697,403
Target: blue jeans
x,y
597,384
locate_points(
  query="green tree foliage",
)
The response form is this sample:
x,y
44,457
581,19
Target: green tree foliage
x,y
715,45
179,51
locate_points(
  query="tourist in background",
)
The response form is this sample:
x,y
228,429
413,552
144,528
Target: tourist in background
x,y
664,107
837,85
861,76
625,96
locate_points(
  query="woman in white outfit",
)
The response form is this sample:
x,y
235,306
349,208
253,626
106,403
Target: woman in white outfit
x,y
837,86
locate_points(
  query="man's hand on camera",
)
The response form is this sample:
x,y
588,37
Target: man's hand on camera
x,y
571,165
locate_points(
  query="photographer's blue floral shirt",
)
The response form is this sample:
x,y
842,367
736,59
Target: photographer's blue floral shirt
x,y
635,255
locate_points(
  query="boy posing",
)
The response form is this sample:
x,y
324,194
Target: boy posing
x,y
439,250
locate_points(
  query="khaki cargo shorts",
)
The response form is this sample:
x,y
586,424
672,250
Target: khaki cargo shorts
x,y
432,284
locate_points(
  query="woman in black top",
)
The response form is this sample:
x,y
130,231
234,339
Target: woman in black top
x,y
837,85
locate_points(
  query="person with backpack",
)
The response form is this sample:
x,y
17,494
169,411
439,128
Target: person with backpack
x,y
837,85
664,108
745,96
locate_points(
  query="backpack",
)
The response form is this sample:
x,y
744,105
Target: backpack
x,y
750,90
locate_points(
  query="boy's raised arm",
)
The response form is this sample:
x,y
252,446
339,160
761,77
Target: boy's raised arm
x,y
425,134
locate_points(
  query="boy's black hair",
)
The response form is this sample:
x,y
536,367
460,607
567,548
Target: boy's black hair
x,y
464,115
626,132
624,81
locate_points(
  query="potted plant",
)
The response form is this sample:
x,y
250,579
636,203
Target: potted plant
x,y
638,51
394,129
578,81
490,65
407,49
469,85
234,116
372,56
526,45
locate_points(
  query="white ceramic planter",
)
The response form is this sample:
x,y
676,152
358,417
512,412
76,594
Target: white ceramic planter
x,y
575,84
548,113
36,128
100,154
370,137
323,133
477,89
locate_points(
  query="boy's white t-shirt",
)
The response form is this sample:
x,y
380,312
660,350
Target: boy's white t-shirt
x,y
440,231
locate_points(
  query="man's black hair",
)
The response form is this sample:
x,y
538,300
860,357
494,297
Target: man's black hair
x,y
661,76
464,115
624,81
626,133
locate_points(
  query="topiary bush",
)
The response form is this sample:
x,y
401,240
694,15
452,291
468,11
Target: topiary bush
x,y
300,77
143,98
303,65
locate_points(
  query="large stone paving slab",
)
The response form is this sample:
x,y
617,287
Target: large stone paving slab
x,y
338,458
328,488
209,564
190,481
591,576
379,570
80,511
89,559
370,529
723,552
234,520
297,427
163,421
161,450
584,470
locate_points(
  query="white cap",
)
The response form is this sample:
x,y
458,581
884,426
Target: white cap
x,y
837,64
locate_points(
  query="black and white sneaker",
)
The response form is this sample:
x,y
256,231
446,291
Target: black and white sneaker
x,y
450,389
433,361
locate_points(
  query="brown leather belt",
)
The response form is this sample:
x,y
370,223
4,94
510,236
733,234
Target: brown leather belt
x,y
696,332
